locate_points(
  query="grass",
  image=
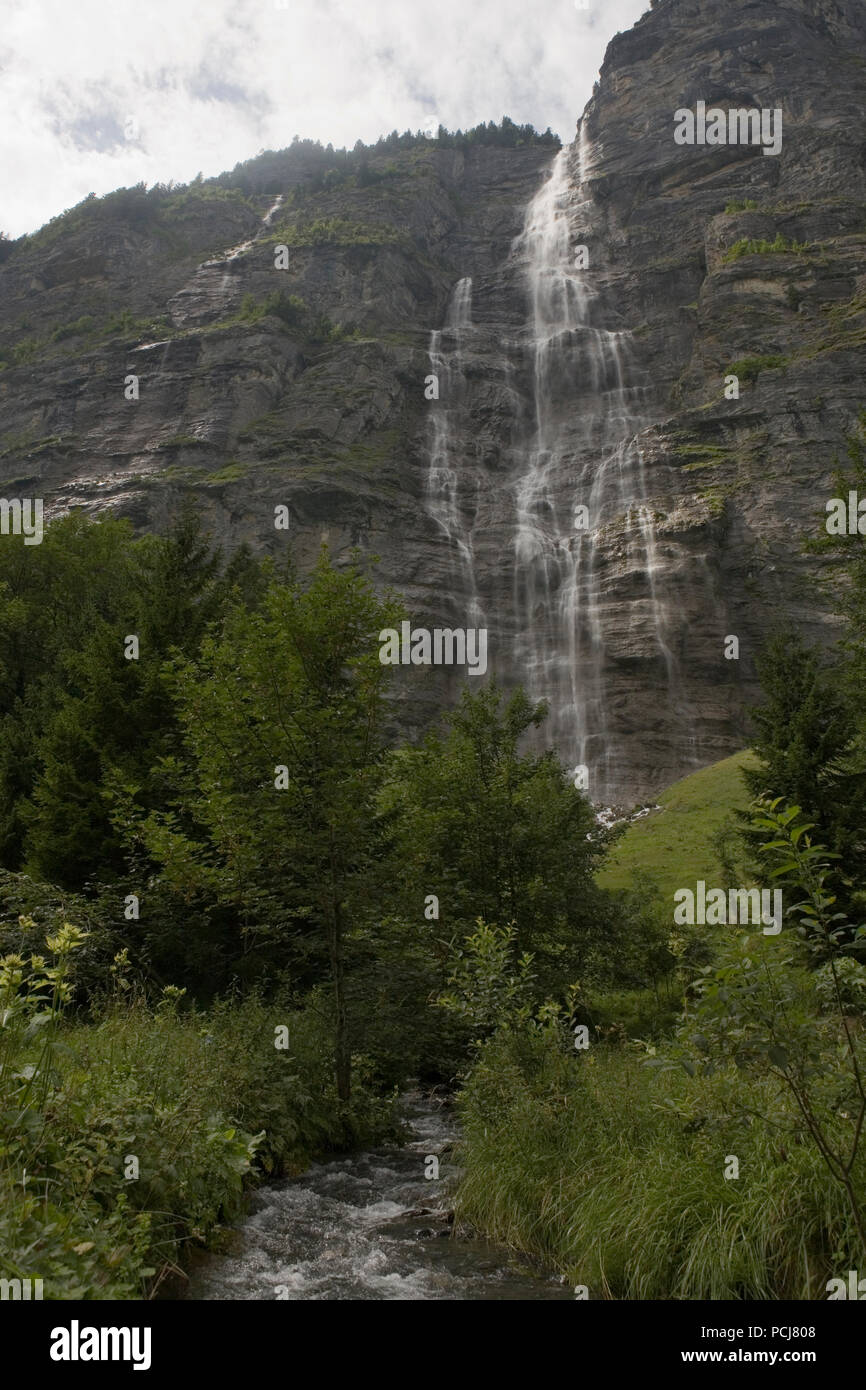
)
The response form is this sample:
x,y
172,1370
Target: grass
x,y
90,330
748,369
750,246
613,1174
612,1162
334,231
232,472
703,455
674,844
140,1128
294,315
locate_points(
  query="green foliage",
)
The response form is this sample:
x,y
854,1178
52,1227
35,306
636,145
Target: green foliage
x,y
30,911
203,1102
611,1163
304,164
93,330
489,986
841,984
24,351
741,205
77,715
75,329
802,726
296,317
125,323
814,727
484,826
677,844
146,211
750,246
613,1173
757,1010
290,693
335,231
308,164
748,369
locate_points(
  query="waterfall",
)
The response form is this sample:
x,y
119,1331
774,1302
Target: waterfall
x,y
560,506
216,283
583,452
447,347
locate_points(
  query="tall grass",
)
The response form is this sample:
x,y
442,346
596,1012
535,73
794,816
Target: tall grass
x,y
128,1138
614,1175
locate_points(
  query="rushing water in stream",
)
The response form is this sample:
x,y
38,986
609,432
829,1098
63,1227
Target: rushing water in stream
x,y
366,1226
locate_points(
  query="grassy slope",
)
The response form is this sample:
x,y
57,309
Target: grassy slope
x,y
612,1173
674,843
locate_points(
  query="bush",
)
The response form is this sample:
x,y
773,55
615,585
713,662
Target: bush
x,y
138,1132
749,246
74,329
749,368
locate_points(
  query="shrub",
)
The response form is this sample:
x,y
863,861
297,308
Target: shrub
x,y
137,1133
749,246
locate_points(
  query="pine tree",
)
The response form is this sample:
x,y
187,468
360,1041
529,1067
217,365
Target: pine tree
x,y
283,718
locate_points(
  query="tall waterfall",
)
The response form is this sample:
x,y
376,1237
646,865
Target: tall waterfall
x,y
548,527
447,346
582,474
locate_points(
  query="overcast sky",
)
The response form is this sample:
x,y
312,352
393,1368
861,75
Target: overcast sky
x,y
97,94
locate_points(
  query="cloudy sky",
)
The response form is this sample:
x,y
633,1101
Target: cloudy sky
x,y
96,94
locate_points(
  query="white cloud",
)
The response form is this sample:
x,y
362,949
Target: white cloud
x,y
103,93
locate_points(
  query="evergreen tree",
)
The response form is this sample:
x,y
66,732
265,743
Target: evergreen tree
x,y
496,833
283,719
801,727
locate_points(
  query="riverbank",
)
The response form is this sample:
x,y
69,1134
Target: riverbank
x,y
374,1224
620,1176
135,1138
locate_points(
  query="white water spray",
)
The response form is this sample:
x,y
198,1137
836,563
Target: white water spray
x,y
447,348
584,453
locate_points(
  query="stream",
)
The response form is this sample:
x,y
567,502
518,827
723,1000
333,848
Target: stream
x,y
367,1226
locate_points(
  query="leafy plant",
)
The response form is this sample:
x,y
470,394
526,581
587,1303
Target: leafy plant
x,y
751,246
490,984
757,1009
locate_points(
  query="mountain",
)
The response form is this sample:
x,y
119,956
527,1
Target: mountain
x,y
581,486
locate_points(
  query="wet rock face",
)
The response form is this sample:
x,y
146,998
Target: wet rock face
x,y
559,386
735,484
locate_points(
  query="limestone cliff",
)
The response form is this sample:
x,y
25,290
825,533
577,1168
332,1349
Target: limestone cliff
x,y
561,384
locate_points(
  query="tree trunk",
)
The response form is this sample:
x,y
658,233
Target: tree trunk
x,y
342,1055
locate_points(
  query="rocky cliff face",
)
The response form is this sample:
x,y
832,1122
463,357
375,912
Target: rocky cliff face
x,y
582,486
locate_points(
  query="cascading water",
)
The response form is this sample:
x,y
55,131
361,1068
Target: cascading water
x,y
561,502
447,346
582,475
367,1226
215,283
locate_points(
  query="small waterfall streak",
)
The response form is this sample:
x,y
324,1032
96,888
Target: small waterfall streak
x,y
446,352
215,282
